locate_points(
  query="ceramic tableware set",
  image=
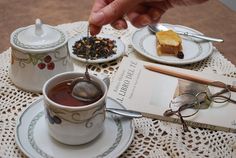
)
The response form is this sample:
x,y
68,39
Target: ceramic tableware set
x,y
40,59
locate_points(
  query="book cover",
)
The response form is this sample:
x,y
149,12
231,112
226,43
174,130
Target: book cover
x,y
151,93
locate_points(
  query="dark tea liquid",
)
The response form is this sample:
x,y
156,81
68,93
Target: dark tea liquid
x,y
61,94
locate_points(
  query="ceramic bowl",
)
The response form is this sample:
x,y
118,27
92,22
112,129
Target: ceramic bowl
x,y
38,52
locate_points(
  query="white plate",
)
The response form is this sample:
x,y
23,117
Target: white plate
x,y
120,50
194,49
33,139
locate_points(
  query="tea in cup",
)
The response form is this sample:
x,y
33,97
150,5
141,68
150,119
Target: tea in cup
x,y
72,121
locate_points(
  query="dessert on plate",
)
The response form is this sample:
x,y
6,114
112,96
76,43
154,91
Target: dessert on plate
x,y
169,43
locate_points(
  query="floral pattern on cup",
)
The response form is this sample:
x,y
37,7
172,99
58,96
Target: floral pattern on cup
x,y
42,60
57,116
52,118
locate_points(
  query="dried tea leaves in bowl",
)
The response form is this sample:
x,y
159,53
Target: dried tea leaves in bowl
x,y
98,47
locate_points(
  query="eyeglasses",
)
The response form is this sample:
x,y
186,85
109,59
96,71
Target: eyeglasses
x,y
188,104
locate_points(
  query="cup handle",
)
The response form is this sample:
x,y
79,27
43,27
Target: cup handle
x,y
105,78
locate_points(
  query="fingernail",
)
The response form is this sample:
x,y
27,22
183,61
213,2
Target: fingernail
x,y
97,18
94,30
156,17
119,26
145,22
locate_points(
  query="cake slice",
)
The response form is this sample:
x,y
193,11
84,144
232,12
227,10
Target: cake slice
x,y
169,43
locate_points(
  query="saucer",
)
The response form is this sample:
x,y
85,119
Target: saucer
x,y
120,48
194,49
33,139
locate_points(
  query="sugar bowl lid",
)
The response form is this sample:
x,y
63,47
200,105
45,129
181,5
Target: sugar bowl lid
x,y
38,38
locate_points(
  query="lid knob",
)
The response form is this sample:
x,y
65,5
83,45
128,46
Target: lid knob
x,y
38,27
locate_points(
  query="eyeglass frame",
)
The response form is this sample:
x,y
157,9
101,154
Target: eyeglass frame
x,y
170,112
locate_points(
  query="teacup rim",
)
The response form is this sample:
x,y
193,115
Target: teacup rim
x,y
73,107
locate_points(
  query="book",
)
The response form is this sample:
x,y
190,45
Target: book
x,y
151,93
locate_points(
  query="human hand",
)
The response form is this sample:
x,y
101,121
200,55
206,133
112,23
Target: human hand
x,y
139,12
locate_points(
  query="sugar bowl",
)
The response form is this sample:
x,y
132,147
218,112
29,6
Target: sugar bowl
x,y
38,52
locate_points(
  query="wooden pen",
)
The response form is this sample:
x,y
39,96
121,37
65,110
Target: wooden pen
x,y
190,77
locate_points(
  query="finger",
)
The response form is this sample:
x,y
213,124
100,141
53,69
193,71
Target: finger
x,y
147,14
108,13
141,20
94,30
162,5
156,21
155,14
143,16
186,2
139,10
132,15
96,15
119,24
98,4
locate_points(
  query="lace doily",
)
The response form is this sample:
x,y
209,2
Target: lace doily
x,y
153,138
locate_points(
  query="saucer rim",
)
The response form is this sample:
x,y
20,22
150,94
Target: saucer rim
x,y
29,154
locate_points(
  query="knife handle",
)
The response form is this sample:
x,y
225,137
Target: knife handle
x,y
201,37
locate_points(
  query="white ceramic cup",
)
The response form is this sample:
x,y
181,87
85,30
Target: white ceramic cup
x,y
74,125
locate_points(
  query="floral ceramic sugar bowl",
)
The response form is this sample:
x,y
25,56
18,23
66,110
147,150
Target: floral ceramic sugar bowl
x,y
38,52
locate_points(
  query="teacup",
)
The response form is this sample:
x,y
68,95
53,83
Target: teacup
x,y
74,125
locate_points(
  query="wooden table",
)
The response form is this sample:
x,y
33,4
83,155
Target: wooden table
x,y
212,18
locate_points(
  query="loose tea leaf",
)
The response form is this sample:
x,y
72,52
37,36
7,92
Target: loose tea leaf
x,y
98,47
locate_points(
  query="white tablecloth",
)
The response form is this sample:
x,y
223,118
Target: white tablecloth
x,y
153,138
